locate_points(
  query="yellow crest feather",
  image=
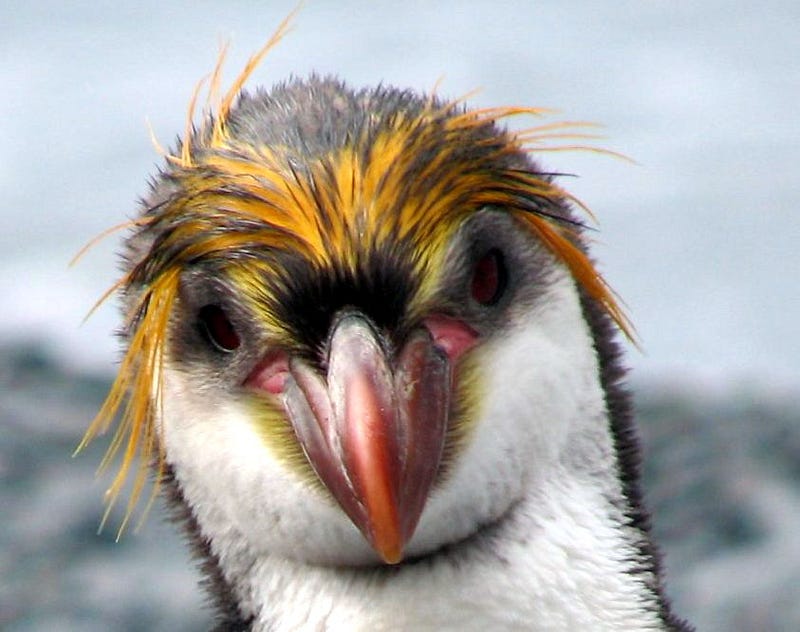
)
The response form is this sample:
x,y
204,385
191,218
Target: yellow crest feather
x,y
322,214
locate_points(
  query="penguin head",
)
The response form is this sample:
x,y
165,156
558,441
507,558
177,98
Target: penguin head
x,y
354,323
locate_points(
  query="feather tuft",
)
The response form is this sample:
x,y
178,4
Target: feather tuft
x,y
410,177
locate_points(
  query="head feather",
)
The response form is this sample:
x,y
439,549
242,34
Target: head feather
x,y
393,182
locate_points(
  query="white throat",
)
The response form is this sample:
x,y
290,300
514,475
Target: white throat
x,y
556,565
546,547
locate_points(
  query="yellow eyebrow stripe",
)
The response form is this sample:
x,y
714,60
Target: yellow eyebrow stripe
x,y
413,177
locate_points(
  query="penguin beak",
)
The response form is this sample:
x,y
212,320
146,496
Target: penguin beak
x,y
373,428
374,433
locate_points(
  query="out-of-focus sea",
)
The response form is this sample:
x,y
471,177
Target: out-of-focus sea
x,y
699,238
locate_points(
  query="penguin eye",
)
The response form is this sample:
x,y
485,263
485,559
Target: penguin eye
x,y
489,278
218,328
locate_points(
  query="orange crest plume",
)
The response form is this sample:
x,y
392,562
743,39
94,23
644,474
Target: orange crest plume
x,y
393,181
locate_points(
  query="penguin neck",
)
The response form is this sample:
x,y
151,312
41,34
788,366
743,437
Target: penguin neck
x,y
560,560
573,551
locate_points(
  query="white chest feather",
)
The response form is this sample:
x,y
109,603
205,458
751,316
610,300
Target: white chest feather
x,y
553,566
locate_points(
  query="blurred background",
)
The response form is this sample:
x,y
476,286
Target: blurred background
x,y
698,237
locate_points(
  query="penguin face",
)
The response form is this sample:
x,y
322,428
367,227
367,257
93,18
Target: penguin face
x,y
354,322
510,381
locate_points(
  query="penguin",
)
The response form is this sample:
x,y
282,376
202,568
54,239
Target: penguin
x,y
377,375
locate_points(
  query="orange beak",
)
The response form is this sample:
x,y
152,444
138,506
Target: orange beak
x,y
373,429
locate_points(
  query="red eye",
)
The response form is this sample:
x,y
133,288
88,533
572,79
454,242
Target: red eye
x,y
218,328
489,278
